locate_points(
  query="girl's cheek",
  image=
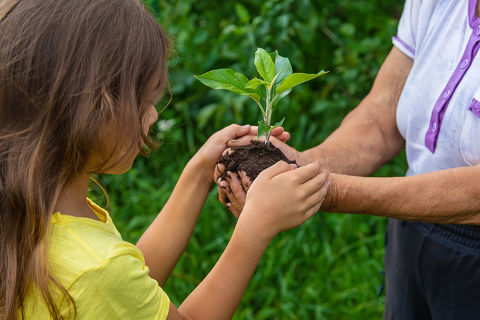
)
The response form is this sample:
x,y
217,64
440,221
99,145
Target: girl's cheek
x,y
150,117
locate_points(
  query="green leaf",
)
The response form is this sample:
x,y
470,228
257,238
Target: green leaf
x,y
263,128
226,79
264,64
242,13
254,83
296,79
273,55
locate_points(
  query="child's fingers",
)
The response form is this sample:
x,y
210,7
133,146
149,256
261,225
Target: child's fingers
x,y
276,169
246,182
233,210
229,193
228,151
243,141
318,197
234,131
312,211
236,189
314,184
235,206
305,173
218,172
222,192
277,131
284,137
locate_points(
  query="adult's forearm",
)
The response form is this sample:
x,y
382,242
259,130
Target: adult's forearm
x,y
368,136
447,196
165,240
360,145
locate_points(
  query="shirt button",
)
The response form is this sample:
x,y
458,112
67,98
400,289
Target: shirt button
x,y
477,31
434,127
464,64
446,94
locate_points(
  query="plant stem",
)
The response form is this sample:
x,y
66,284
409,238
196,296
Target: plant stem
x,y
260,107
268,116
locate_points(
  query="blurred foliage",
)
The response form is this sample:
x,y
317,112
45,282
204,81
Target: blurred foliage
x,y
330,267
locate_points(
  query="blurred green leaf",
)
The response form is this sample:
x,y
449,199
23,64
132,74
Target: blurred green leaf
x,y
328,268
242,13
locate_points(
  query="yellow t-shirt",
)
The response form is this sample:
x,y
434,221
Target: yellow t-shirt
x,y
105,275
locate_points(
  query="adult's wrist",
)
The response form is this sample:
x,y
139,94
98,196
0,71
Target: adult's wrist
x,y
309,156
333,196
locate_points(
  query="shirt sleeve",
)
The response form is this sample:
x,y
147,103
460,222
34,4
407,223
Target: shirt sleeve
x,y
119,288
406,37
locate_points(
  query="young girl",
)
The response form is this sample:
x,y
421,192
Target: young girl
x,y
78,81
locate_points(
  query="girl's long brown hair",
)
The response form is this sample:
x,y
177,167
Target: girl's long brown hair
x,y
70,70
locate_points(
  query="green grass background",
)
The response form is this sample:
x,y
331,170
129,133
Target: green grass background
x,y
329,268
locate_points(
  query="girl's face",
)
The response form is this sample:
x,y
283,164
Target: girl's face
x,y
124,155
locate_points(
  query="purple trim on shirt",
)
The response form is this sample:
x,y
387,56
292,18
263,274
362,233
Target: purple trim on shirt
x,y
441,105
403,43
472,18
475,107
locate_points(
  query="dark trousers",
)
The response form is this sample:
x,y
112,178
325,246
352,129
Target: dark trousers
x,y
432,271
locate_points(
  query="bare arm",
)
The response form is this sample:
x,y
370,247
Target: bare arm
x,y
165,240
447,196
365,140
368,136
281,198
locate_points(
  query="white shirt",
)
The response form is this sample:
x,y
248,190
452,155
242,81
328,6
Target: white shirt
x,y
437,113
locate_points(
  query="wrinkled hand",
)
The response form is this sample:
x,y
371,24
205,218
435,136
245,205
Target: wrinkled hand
x,y
232,191
283,197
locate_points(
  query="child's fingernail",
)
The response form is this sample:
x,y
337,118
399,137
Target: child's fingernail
x,y
329,183
246,126
293,166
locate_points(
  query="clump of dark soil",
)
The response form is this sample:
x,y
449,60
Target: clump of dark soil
x,y
252,158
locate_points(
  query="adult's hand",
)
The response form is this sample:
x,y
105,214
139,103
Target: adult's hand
x,y
233,189
207,156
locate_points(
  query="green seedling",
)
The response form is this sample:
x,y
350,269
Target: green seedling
x,y
278,81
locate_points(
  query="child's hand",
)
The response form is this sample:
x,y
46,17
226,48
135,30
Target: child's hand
x,y
282,198
210,152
